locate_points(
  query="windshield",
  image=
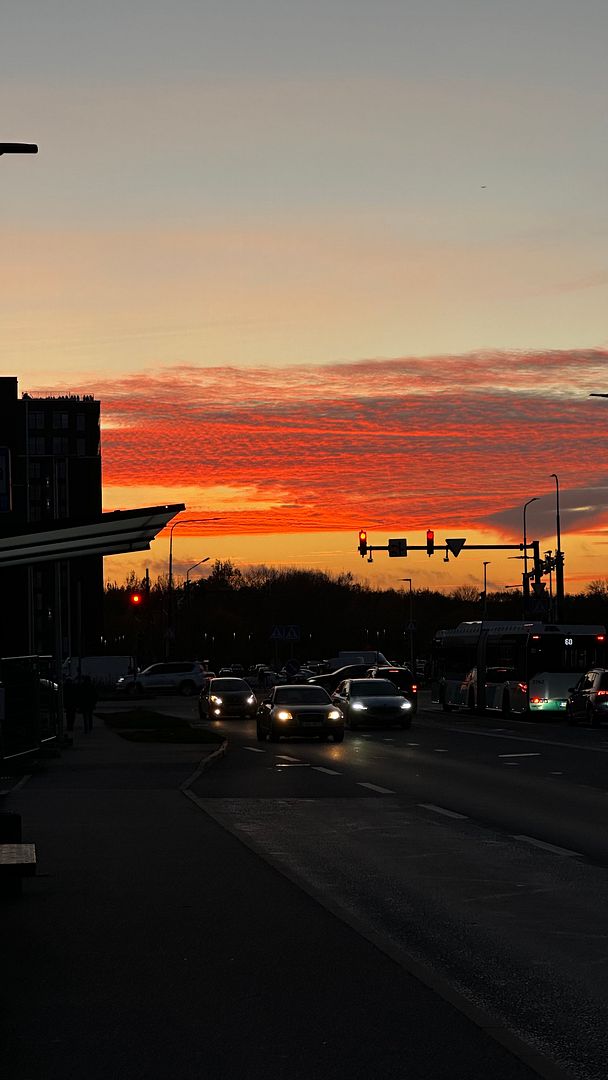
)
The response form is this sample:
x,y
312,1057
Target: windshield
x,y
301,695
229,684
373,688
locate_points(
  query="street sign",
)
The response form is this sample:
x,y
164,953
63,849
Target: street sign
x,y
397,549
455,545
285,633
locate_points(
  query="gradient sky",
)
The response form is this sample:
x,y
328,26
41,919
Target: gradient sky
x,y
326,266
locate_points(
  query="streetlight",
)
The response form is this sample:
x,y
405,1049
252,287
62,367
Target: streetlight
x,y
485,582
172,528
559,558
411,627
206,559
526,590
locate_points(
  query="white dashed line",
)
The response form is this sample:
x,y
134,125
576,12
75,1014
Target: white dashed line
x,y
388,740
438,750
374,787
548,847
286,757
412,744
254,749
520,755
514,763
329,772
442,810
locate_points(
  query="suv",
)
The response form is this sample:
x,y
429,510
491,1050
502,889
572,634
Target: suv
x,y
588,700
402,679
176,676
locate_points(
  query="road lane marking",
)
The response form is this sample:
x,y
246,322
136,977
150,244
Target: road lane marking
x,y
388,740
375,787
330,772
412,744
254,749
537,754
514,763
594,749
442,810
286,757
548,847
438,750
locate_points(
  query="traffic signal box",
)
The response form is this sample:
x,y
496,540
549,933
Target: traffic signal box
x,y
362,542
430,541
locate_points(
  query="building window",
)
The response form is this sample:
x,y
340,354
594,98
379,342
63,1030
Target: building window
x,y
61,421
60,444
81,422
35,419
81,447
36,444
35,473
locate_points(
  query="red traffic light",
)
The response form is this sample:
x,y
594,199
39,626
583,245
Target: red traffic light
x,y
430,541
136,598
362,542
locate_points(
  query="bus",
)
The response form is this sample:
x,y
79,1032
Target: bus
x,y
513,668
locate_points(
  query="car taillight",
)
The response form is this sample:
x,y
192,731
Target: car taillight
x,y
602,693
414,689
523,686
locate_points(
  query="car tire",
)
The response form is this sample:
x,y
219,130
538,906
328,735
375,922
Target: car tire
x,y
593,718
187,689
139,690
352,725
506,706
273,735
339,736
570,717
202,715
260,733
471,701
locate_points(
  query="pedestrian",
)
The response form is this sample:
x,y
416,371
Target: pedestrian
x,y
70,701
87,700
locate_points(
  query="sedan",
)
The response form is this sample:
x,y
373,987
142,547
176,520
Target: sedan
x,y
223,697
402,679
332,679
372,701
299,710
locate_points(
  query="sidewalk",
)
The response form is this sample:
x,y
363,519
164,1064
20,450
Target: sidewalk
x,y
154,945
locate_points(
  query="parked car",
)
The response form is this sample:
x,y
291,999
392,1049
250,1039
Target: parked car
x,y
375,702
228,696
299,710
588,700
402,678
176,676
332,679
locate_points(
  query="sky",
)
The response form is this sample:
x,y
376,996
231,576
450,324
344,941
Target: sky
x,y
327,267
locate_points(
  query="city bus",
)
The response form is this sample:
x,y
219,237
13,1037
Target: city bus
x,y
513,668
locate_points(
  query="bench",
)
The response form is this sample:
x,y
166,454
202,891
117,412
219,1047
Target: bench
x,y
16,861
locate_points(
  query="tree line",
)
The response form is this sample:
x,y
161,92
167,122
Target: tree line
x,y
268,615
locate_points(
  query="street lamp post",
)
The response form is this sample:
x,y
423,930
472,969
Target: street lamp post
x,y
526,583
170,620
559,556
485,592
206,559
411,626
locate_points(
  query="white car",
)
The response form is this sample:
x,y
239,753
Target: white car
x,y
175,676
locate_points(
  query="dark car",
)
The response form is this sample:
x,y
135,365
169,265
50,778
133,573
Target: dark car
x,y
375,702
588,700
333,679
299,710
401,677
228,696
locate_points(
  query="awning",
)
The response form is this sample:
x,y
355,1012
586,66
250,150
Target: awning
x,y
114,533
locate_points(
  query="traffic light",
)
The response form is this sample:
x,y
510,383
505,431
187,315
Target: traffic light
x,y
362,542
136,598
430,542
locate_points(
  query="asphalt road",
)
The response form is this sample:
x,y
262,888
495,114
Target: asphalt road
x,y
475,849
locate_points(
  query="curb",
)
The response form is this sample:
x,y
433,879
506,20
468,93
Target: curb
x,y
203,764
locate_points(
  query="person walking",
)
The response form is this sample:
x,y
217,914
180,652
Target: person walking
x,y
70,702
87,700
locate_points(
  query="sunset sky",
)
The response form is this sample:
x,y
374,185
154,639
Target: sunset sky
x,y
326,265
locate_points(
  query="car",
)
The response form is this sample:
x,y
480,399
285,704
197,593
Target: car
x,y
588,700
299,709
401,677
227,696
176,676
372,701
332,679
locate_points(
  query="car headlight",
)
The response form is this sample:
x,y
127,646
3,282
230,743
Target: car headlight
x,y
216,700
251,700
406,705
121,679
334,714
358,706
283,714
